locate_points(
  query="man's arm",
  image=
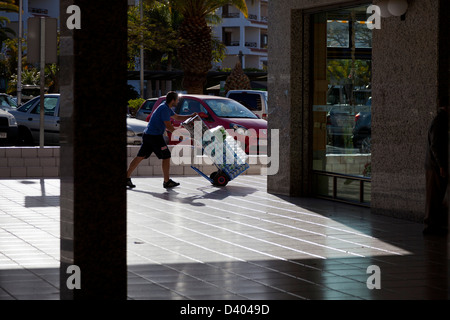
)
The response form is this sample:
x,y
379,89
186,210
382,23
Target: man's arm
x,y
178,117
169,126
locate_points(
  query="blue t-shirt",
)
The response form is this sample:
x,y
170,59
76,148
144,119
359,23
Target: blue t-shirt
x,y
156,124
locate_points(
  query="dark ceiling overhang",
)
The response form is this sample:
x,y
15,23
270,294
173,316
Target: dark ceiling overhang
x,y
178,75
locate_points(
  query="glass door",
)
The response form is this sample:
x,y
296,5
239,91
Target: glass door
x,y
342,100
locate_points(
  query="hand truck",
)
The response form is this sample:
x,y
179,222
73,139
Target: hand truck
x,y
226,154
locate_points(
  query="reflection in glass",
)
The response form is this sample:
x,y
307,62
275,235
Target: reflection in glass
x,y
363,35
342,103
337,34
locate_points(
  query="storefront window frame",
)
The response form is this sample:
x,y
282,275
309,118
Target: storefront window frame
x,y
340,53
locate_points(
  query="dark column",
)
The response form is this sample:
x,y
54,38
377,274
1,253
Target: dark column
x,y
93,149
444,62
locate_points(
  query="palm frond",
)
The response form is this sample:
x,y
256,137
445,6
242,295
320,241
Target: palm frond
x,y
8,6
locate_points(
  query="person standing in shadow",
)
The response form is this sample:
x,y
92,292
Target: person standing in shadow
x,y
436,166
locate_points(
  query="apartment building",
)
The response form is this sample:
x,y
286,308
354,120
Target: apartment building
x,y
33,8
245,38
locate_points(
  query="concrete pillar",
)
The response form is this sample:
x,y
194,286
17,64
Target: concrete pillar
x,y
148,89
405,82
444,60
93,150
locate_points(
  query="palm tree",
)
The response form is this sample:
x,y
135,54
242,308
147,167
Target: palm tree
x,y
9,5
5,32
195,54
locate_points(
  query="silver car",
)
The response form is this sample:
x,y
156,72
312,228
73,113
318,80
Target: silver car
x,y
8,128
135,130
7,102
28,120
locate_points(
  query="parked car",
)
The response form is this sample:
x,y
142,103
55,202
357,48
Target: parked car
x,y
8,129
145,109
28,119
344,126
254,100
339,127
362,131
7,102
221,111
135,130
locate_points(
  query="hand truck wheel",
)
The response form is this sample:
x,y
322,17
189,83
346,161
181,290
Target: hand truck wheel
x,y
220,179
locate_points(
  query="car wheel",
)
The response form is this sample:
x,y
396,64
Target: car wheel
x,y
24,137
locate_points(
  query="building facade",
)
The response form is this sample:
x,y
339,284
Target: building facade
x,y
34,8
244,37
330,73
30,8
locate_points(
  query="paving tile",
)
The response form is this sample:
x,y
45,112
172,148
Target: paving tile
x,y
198,242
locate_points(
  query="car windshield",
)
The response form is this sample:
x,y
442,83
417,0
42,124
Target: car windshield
x,y
26,106
6,101
225,108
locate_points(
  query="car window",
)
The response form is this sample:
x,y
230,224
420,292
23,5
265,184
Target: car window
x,y
11,102
228,108
49,106
148,105
27,106
250,100
188,106
3,101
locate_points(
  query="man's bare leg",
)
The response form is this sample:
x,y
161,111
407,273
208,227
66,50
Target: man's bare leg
x,y
166,169
133,165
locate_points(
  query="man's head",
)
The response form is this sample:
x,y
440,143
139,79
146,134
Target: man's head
x,y
171,98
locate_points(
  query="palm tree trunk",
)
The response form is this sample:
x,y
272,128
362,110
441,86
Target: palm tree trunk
x,y
195,54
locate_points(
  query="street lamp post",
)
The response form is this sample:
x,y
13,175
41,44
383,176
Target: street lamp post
x,y
141,9
19,58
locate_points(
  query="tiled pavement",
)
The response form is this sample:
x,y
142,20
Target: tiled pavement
x,y
199,242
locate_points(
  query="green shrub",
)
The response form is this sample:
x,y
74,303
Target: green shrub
x,y
133,105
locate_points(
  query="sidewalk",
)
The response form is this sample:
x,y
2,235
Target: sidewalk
x,y
199,242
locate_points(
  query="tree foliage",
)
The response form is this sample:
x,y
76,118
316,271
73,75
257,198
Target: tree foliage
x,y
195,54
9,6
156,32
237,80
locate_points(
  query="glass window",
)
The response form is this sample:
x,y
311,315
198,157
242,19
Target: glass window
x,y
27,106
363,35
342,102
228,108
11,102
3,101
49,106
189,106
148,105
250,100
338,34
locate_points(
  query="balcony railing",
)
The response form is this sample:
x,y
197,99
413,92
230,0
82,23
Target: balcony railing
x,y
231,15
251,44
252,17
232,44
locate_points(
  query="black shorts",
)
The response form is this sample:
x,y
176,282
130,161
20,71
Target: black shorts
x,y
156,144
